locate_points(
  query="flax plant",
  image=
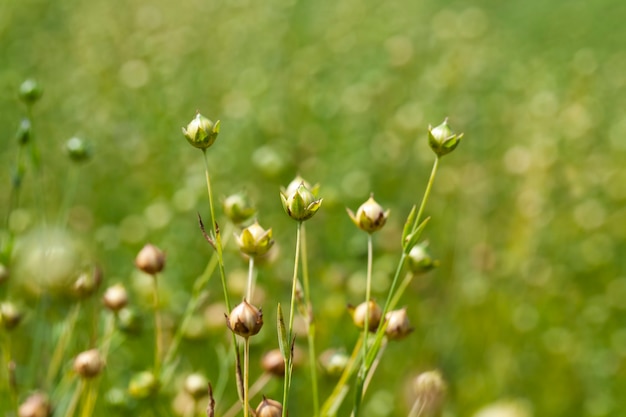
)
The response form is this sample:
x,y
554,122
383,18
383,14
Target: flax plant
x,y
300,203
442,140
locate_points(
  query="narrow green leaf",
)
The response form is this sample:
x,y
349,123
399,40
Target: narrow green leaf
x,y
408,225
283,341
415,236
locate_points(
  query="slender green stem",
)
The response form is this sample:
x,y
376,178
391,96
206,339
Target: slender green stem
x,y
429,186
310,322
197,296
417,409
250,290
158,342
294,285
68,198
246,375
8,366
216,233
67,331
71,409
334,400
368,292
90,401
258,385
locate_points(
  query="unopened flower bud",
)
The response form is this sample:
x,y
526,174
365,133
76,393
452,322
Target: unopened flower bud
x,y
150,259
245,320
30,91
24,132
201,132
143,384
196,385
88,364
430,390
420,260
77,149
129,320
370,216
254,240
37,405
300,204
115,297
10,315
398,325
269,408
442,139
334,361
296,182
273,362
361,311
88,282
238,208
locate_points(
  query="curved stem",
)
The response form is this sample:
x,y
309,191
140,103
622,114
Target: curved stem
x,y
250,290
310,323
246,375
429,186
294,285
216,233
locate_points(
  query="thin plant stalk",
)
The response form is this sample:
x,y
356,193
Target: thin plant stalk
x,y
91,394
289,361
158,328
429,186
310,323
220,260
368,292
67,332
256,387
334,400
71,409
250,290
216,233
246,375
8,365
417,409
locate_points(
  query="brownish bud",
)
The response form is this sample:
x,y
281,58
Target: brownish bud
x,y
115,297
245,320
150,259
273,362
36,405
10,315
361,311
88,282
269,408
398,325
89,364
196,385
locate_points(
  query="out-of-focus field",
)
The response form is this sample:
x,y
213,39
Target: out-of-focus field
x,y
528,214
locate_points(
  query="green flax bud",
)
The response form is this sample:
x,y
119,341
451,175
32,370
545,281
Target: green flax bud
x,y
143,385
201,132
238,208
300,204
30,91
442,139
254,240
420,261
370,216
77,149
24,132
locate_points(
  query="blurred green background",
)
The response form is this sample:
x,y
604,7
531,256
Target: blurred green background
x,y
528,214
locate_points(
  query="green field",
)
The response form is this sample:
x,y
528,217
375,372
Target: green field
x,y
528,215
